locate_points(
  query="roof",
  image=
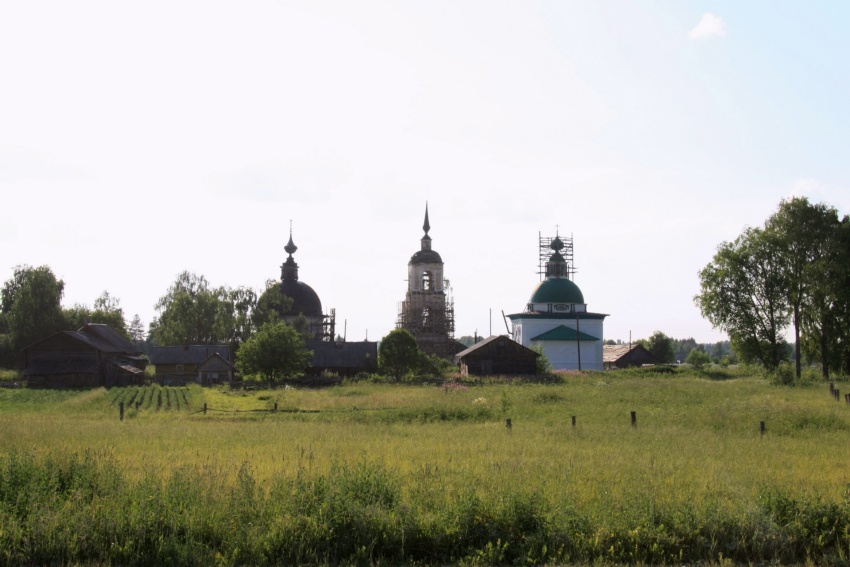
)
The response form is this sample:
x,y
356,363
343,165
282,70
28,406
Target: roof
x,y
557,290
109,339
570,316
613,353
328,354
426,257
98,336
562,333
487,341
305,301
188,354
215,361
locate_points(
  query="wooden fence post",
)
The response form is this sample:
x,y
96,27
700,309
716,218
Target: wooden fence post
x,y
205,408
508,424
121,411
832,388
837,395
761,428
574,422
275,406
634,419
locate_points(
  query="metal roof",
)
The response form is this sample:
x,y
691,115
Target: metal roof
x,y
562,333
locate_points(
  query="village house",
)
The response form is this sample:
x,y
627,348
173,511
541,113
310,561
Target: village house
x,y
95,355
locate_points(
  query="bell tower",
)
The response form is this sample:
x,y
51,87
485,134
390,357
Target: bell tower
x,y
427,310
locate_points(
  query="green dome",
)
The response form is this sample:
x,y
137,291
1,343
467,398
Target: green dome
x,y
557,290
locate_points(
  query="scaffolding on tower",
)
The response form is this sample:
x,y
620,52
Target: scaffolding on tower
x,y
545,251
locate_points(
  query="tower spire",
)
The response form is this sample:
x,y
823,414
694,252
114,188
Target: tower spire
x,y
427,226
289,269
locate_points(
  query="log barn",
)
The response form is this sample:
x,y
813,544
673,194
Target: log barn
x,y
95,355
497,355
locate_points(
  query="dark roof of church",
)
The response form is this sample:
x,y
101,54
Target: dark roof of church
x,y
305,301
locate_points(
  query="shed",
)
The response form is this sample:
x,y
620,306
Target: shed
x,y
497,355
624,356
95,355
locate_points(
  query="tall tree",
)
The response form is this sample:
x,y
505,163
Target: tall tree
x,y
805,233
744,291
31,305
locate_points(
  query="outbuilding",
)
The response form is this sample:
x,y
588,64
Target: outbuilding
x,y
95,355
497,355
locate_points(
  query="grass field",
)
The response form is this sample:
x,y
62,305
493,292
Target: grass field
x,y
376,473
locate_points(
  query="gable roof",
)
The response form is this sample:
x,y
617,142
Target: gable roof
x,y
109,339
562,333
328,354
215,361
97,336
614,353
491,339
187,354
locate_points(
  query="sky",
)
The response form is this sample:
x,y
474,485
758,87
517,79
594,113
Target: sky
x,y
139,140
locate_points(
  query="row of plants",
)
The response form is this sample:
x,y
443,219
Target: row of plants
x,y
82,509
152,397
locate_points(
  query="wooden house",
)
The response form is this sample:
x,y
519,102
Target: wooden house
x,y
497,355
204,364
95,355
342,358
624,356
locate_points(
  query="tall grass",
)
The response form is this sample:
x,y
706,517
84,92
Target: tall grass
x,y
371,473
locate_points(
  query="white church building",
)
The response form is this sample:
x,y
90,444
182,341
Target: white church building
x,y
556,318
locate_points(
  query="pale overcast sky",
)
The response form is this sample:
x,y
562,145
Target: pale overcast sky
x,y
141,139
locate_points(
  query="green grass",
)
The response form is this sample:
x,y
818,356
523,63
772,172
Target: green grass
x,y
366,473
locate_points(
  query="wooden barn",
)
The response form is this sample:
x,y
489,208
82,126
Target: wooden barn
x,y
204,364
342,358
624,356
96,355
497,355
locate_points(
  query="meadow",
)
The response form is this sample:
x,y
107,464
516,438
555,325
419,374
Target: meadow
x,y
373,473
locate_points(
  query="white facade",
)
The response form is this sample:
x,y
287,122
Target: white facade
x,y
556,319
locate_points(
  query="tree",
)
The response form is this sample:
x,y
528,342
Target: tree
x,y
744,291
107,311
697,358
398,354
271,305
31,305
191,312
275,351
805,234
661,346
136,330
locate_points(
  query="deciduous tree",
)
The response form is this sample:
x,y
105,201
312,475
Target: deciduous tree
x,y
805,233
31,305
744,291
275,351
398,354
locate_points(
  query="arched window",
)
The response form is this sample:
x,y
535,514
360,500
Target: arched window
x,y
427,283
426,316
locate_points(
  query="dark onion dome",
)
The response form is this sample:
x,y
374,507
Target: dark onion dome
x,y
304,300
557,290
426,257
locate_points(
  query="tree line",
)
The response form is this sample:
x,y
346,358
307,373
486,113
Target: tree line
x,y
792,273
192,311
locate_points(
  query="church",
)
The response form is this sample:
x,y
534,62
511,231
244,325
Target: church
x,y
556,318
427,311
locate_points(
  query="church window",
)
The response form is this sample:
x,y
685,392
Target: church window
x,y
426,281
